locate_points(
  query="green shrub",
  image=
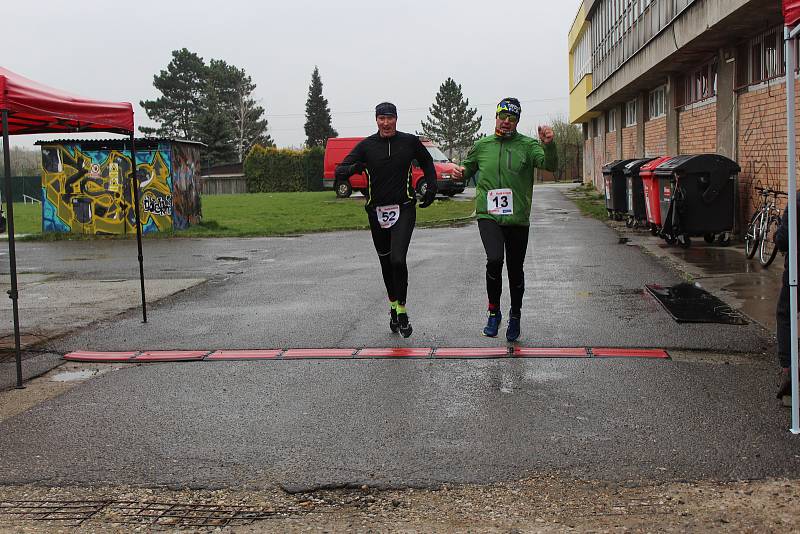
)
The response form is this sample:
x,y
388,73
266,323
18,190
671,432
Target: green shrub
x,y
270,169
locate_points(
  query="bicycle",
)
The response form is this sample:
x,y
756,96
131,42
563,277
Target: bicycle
x,y
760,233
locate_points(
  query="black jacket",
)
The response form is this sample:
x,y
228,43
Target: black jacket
x,y
388,164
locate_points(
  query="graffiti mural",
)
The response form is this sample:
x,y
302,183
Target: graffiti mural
x,y
86,188
185,185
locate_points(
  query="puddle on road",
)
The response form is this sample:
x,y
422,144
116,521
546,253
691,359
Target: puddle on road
x,y
715,260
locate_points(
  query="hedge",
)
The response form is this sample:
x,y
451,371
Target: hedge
x,y
269,169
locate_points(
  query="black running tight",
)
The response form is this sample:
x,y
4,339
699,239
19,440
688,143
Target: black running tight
x,y
514,241
391,244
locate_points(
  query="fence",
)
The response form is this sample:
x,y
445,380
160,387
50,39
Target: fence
x,y
223,184
26,189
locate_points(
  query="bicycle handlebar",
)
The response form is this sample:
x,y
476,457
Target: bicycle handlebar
x,y
766,191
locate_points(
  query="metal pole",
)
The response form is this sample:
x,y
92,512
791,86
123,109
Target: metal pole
x,y
135,186
791,49
12,256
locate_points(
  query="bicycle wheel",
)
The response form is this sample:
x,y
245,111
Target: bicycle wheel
x,y
752,236
768,250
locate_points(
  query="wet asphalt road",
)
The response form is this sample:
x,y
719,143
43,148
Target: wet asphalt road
x,y
305,424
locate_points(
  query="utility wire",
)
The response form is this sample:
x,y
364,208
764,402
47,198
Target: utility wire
x,y
292,115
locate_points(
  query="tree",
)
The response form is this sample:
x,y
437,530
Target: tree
x,y
182,86
451,123
569,145
211,103
232,90
318,115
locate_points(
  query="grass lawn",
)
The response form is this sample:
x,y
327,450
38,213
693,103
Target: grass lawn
x,y
265,214
590,201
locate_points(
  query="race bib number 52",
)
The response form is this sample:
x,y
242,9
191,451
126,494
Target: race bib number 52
x,y
500,202
388,215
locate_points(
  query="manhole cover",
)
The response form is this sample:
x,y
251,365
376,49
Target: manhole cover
x,y
689,303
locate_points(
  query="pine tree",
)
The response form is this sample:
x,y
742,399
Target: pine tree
x,y
213,104
182,87
318,115
451,123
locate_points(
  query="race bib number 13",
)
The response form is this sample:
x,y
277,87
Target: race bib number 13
x,y
388,215
500,202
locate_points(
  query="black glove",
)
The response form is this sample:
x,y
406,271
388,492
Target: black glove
x,y
428,197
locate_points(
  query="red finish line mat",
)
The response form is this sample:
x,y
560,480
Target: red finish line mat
x,y
394,353
471,352
171,356
244,354
629,353
296,354
544,352
104,357
365,353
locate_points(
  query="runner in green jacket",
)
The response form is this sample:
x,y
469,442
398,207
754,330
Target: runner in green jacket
x,y
503,195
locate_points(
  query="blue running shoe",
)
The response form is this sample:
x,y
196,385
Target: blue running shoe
x,y
492,323
512,330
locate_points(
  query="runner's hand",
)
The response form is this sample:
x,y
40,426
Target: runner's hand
x,y
545,134
428,197
458,172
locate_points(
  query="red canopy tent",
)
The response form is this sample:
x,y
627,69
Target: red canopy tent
x,y
791,12
29,107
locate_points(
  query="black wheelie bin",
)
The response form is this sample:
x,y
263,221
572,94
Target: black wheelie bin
x,y
703,197
637,212
616,198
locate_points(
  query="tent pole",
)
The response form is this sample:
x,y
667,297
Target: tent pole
x,y
135,186
791,50
12,256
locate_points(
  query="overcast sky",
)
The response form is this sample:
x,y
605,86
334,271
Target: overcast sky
x,y
367,51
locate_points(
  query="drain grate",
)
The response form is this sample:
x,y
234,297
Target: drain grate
x,y
153,514
70,513
184,515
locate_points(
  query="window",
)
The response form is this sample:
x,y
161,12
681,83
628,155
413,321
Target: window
x,y
620,28
611,120
760,59
657,100
595,128
699,84
630,113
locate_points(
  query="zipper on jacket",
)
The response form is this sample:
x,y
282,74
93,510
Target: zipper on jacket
x,y
499,163
389,142
508,152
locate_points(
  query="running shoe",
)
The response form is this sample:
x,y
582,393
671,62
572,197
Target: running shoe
x,y
404,325
512,329
393,324
492,323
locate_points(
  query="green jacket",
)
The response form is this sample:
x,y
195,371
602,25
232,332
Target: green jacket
x,y
508,163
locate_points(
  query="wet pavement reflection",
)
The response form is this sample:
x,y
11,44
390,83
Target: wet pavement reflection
x,y
725,271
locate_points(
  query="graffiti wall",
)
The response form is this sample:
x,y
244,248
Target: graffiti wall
x,y
185,185
86,188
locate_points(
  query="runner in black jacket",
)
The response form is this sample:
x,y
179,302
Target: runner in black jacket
x,y
387,157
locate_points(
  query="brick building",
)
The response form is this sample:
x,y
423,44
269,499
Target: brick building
x,y
665,77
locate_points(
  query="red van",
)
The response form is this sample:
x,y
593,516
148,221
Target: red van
x,y
338,147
